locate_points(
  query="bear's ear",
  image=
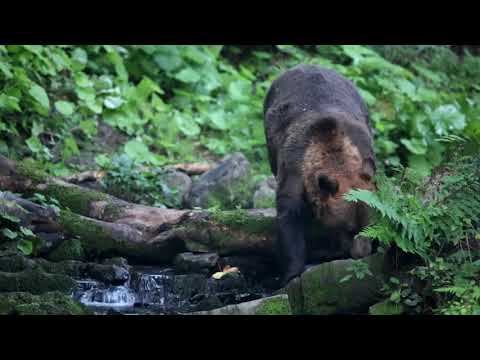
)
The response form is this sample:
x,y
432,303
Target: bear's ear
x,y
326,128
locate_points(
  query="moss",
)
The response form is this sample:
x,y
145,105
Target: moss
x,y
274,306
35,282
68,250
242,220
265,203
74,198
386,308
323,293
98,242
51,303
15,263
238,194
30,169
94,239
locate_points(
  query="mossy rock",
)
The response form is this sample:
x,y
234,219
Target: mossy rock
x,y
226,186
35,281
51,303
320,291
68,250
278,305
386,308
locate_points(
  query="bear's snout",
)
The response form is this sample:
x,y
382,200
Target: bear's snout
x,y
327,186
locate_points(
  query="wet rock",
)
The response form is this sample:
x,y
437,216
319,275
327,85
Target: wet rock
x,y
195,263
35,282
109,274
319,290
275,305
118,261
386,308
179,185
265,194
50,303
70,249
227,186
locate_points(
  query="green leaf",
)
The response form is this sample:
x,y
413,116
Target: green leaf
x,y
35,145
89,127
39,94
26,231
138,151
188,75
64,107
186,125
103,161
70,148
113,102
25,246
9,234
415,146
11,218
9,103
346,278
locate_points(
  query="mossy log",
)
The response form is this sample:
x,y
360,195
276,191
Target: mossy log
x,y
107,226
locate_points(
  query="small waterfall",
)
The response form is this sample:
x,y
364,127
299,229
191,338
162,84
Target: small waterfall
x,y
111,297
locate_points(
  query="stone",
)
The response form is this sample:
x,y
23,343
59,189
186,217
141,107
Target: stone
x,y
265,194
320,291
195,263
226,186
50,303
386,308
35,282
275,305
179,185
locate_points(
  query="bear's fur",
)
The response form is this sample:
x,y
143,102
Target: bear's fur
x,y
320,146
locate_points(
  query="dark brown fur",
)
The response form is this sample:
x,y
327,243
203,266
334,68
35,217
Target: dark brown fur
x,y
320,146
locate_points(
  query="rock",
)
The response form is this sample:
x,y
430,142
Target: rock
x,y
195,263
319,290
118,261
109,274
275,305
227,186
50,303
70,249
179,185
386,308
265,194
35,282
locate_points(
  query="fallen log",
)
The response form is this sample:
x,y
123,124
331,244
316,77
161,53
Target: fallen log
x,y
107,226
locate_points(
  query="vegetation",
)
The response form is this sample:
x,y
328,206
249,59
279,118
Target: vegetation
x,y
131,110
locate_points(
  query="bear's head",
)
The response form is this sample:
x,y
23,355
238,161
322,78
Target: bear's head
x,y
339,157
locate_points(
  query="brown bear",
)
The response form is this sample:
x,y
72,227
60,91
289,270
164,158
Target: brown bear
x,y
320,146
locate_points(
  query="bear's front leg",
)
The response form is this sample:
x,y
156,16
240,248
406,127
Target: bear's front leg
x,y
292,222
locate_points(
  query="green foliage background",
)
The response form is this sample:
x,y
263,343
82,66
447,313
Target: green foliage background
x,y
180,103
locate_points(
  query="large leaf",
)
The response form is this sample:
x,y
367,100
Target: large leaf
x,y
64,107
188,75
40,95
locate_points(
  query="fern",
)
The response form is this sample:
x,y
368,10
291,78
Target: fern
x,y
418,218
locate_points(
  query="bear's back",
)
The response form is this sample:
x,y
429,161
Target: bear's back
x,y
312,88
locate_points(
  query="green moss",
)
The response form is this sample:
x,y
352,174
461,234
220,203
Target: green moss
x,y
386,308
29,168
68,250
74,198
238,194
321,291
51,303
274,306
94,239
241,220
265,203
35,282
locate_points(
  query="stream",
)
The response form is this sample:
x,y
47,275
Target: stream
x,y
159,291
